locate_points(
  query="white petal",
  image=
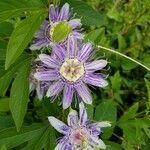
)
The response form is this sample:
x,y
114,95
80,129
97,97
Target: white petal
x,y
58,125
101,144
104,124
73,118
39,92
97,142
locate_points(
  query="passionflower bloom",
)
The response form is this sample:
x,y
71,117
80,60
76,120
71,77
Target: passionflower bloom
x,y
70,70
80,133
39,86
58,28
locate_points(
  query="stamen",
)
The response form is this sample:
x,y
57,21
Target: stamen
x,y
72,70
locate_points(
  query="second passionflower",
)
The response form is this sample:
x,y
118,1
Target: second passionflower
x,y
57,29
80,133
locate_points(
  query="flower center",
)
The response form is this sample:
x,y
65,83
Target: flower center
x,y
72,70
78,137
59,31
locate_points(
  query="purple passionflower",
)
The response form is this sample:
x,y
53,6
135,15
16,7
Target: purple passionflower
x,y
80,133
39,86
71,70
58,28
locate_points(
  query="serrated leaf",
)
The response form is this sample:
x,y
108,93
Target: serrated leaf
x,y
129,114
13,8
10,138
87,14
21,37
4,104
20,94
106,111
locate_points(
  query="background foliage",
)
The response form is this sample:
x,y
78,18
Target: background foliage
x,y
123,25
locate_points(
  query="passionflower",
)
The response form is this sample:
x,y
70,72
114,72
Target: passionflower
x,y
58,28
80,133
70,70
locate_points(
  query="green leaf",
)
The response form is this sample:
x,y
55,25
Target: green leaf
x,y
116,81
148,91
121,42
20,94
46,140
6,29
133,132
95,35
128,65
4,104
10,138
3,147
21,37
129,114
43,140
147,131
6,121
3,46
90,111
5,80
106,111
7,75
52,139
13,8
87,14
114,14
113,146
116,85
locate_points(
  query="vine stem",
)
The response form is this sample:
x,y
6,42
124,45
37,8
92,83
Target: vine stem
x,y
127,57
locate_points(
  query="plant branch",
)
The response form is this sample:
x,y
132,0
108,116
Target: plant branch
x,y
127,57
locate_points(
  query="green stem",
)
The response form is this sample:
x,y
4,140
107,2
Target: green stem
x,y
127,57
